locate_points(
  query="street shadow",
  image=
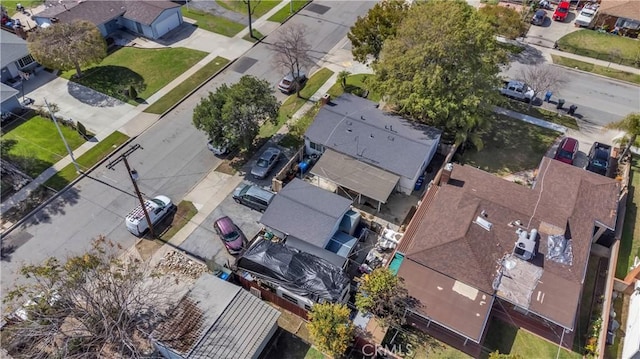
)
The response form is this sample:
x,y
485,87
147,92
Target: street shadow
x,y
105,86
529,56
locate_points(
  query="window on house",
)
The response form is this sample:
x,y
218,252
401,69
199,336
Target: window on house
x,y
628,24
25,61
290,298
316,146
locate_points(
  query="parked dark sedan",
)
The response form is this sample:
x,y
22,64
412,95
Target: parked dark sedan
x,y
266,162
538,17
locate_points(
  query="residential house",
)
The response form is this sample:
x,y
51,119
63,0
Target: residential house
x,y
481,246
151,19
621,15
367,151
309,218
216,319
15,59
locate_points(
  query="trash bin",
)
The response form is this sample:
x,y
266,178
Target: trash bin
x,y
572,109
560,103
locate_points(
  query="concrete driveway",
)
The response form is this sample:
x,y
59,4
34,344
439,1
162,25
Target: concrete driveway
x,y
547,34
95,110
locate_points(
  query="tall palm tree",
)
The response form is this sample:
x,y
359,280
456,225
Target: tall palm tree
x,y
629,124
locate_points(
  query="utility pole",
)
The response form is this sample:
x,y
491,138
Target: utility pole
x,y
133,175
55,121
248,2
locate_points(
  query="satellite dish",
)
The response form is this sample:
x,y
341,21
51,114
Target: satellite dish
x,y
509,263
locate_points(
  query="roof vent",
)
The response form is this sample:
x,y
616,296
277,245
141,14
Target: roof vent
x,y
362,118
525,247
371,135
483,223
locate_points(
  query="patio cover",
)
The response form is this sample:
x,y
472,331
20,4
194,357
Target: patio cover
x,y
348,172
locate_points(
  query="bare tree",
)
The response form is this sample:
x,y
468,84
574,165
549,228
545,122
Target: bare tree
x,y
541,78
97,304
291,51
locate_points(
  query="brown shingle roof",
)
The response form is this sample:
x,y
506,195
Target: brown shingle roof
x,y
447,241
629,9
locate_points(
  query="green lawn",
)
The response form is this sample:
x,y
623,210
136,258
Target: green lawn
x,y
630,242
356,84
153,67
38,145
510,146
10,5
603,46
596,69
257,35
293,103
182,90
539,112
87,160
313,353
510,340
185,210
284,13
218,24
258,8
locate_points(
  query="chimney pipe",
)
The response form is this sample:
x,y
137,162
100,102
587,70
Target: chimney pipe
x,y
446,174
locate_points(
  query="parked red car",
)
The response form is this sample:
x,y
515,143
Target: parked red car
x,y
567,150
561,11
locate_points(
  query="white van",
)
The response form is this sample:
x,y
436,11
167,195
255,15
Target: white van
x,y
157,208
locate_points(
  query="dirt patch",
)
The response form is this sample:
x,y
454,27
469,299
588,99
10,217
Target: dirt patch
x,y
226,167
147,248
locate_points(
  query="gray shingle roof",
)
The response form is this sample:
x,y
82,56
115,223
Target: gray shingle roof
x,y
217,319
356,127
146,12
6,92
306,212
12,48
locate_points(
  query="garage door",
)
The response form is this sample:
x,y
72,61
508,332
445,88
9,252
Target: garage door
x,y
168,24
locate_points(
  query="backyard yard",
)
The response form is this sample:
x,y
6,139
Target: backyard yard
x,y
147,69
35,145
603,46
510,146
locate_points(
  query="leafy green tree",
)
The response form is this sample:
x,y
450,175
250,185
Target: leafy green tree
x,y
64,46
506,21
96,304
369,33
382,294
330,328
442,68
631,125
233,114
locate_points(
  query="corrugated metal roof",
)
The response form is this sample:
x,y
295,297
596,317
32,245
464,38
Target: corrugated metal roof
x,y
348,172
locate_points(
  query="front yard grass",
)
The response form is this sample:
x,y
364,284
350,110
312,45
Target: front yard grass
x,y
510,340
596,69
603,46
38,145
218,24
357,85
630,242
541,113
510,146
180,91
284,13
292,104
258,8
153,67
10,5
86,160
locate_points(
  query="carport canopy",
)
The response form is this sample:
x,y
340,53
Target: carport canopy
x,y
347,172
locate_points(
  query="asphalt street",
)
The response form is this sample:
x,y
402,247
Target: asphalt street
x,y
173,158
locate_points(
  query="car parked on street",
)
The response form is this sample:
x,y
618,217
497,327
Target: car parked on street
x,y
230,235
253,196
291,83
599,158
539,17
561,11
157,208
517,90
217,150
567,150
266,162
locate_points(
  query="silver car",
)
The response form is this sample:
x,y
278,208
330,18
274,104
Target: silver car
x,y
266,162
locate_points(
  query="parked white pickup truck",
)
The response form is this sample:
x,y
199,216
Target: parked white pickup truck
x,y
587,16
517,90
